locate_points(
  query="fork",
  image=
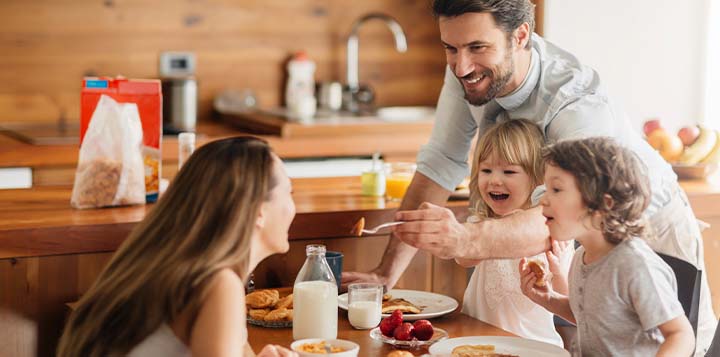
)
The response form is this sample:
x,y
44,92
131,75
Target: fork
x,y
384,225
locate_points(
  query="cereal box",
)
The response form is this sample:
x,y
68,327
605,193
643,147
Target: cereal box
x,y
147,94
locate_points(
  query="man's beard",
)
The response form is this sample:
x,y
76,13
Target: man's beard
x,y
498,82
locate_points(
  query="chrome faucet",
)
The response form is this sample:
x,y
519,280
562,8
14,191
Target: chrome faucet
x,y
353,85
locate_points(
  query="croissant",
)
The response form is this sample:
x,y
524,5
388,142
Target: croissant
x,y
262,298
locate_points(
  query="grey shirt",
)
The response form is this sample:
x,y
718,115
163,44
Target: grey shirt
x,y
619,301
561,95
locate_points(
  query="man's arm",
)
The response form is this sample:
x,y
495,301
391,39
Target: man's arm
x,y
397,254
435,229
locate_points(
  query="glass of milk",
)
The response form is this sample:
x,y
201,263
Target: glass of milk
x,y
364,305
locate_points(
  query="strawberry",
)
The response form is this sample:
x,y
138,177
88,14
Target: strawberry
x,y
396,317
387,327
404,332
423,330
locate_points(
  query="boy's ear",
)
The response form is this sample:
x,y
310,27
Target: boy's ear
x,y
608,200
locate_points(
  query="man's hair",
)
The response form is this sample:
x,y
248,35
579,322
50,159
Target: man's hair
x,y
602,168
508,14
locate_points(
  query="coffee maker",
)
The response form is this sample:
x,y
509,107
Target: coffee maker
x,y
179,88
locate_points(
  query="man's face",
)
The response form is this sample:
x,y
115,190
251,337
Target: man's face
x,y
479,54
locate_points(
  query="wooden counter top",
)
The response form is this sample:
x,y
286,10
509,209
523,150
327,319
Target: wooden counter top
x,y
356,138
40,221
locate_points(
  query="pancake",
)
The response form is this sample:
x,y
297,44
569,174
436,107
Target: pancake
x,y
400,304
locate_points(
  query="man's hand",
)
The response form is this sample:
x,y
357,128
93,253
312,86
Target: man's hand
x,y
434,229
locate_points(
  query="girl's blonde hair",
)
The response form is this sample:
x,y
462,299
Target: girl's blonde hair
x,y
201,225
516,141
603,169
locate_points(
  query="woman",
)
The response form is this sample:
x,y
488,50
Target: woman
x,y
175,286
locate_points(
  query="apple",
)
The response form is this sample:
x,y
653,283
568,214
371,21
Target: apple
x,y
423,330
688,134
404,332
650,126
669,146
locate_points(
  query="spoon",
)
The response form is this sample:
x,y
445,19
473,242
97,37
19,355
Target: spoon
x,y
384,225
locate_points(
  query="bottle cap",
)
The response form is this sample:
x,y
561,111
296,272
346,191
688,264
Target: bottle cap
x,y
315,249
186,138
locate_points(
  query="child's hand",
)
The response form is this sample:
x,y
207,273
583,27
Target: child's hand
x,y
554,257
539,295
558,248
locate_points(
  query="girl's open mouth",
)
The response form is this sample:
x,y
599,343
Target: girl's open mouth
x,y
499,196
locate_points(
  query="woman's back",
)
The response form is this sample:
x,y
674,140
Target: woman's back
x,y
162,342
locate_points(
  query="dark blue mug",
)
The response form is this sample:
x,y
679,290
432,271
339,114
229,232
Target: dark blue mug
x,y
335,261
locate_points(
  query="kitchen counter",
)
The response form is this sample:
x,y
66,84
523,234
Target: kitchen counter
x,y
40,221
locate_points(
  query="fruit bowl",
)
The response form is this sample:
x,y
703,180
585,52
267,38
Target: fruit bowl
x,y
697,171
438,334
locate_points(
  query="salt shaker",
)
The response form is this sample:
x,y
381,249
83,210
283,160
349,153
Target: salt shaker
x,y
186,146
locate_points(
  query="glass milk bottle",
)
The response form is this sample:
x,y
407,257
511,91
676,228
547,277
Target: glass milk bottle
x,y
315,297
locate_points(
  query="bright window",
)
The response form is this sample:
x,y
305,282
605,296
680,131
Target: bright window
x,y
712,79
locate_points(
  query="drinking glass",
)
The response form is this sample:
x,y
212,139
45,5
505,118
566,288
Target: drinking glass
x,y
364,305
397,179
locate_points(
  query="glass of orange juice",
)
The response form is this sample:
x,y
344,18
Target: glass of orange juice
x,y
397,179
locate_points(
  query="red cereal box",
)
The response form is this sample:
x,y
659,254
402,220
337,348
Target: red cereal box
x,y
147,94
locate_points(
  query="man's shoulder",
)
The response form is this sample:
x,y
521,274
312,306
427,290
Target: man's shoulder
x,y
562,72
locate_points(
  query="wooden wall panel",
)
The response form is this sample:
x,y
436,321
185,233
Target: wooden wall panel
x,y
34,293
48,46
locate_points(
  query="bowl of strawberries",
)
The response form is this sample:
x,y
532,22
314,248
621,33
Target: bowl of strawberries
x,y
393,330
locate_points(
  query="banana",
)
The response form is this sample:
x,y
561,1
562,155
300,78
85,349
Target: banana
x,y
714,156
701,148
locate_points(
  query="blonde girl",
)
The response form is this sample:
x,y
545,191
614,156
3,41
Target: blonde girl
x,y
507,167
175,286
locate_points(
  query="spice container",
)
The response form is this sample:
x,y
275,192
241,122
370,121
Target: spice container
x,y
186,146
373,182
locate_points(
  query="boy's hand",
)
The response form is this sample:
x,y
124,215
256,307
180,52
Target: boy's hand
x,y
558,249
539,295
554,258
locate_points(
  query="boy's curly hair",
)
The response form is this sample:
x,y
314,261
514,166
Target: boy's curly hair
x,y
602,168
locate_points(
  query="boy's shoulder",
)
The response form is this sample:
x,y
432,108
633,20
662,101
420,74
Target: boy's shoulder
x,y
634,254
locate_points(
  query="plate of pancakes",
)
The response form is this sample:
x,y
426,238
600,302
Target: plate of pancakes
x,y
504,346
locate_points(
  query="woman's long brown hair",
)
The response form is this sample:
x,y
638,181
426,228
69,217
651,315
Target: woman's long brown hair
x,y
202,224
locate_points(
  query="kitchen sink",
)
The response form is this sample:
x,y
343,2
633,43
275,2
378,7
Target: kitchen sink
x,y
403,114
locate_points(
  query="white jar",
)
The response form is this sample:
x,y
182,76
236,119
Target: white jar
x,y
301,82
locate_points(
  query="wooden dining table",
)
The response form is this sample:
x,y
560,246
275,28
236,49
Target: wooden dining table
x,y
456,324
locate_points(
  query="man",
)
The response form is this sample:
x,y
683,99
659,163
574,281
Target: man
x,y
498,69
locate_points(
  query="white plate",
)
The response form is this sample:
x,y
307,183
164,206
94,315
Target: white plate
x,y
503,344
432,305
